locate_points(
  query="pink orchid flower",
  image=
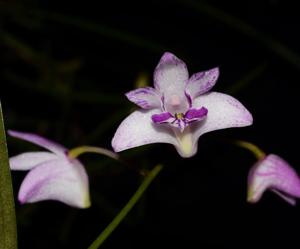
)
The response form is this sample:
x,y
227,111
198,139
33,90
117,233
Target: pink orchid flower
x,y
275,174
53,174
178,110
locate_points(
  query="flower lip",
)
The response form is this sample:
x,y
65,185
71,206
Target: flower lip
x,y
162,117
180,120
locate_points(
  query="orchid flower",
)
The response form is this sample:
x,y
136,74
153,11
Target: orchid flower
x,y
53,175
179,109
275,174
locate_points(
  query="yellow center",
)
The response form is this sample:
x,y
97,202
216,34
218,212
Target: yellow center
x,y
179,115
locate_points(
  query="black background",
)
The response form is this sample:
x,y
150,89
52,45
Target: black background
x,y
65,67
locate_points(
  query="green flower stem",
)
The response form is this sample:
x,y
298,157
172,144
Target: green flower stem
x,y
8,228
258,153
126,209
73,153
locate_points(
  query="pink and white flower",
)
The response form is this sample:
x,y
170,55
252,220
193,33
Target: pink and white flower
x,y
179,109
275,174
53,174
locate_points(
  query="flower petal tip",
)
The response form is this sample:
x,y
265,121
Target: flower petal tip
x,y
248,118
216,70
168,56
250,196
23,197
186,153
21,200
114,144
243,116
213,75
12,133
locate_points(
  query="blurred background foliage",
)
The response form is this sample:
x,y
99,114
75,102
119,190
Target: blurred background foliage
x,y
65,67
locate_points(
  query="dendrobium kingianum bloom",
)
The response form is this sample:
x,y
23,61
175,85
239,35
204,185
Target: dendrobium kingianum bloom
x,y
179,109
53,175
275,174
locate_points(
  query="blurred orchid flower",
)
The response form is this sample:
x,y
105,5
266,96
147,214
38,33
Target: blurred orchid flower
x,y
275,174
53,175
178,110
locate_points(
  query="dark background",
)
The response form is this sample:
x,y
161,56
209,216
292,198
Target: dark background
x,y
65,67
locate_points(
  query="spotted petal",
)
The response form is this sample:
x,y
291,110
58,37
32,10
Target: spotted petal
x,y
202,82
38,140
60,180
275,174
146,98
29,160
224,112
138,129
170,75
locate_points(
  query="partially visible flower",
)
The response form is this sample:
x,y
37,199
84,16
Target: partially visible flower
x,y
178,110
53,175
275,174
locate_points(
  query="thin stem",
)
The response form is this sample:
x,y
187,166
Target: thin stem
x,y
126,209
258,153
8,228
73,153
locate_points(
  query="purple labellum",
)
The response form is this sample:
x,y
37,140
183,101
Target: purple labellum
x,y
180,120
162,117
196,114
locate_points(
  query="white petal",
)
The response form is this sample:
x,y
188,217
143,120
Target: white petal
x,y
170,75
138,129
202,82
146,98
60,180
38,140
28,160
224,112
